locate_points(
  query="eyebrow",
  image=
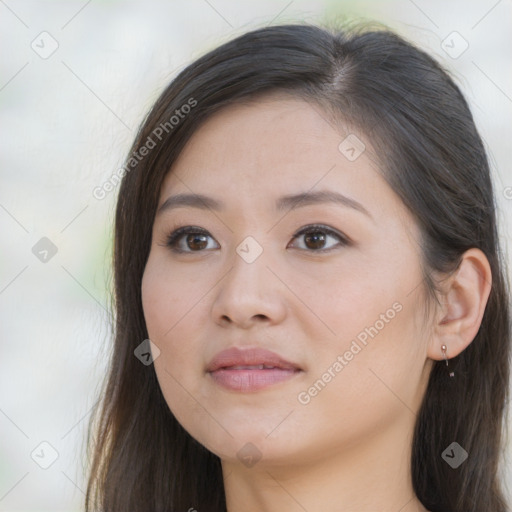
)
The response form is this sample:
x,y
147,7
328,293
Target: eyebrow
x,y
290,202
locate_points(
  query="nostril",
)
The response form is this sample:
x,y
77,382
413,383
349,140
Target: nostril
x,y
226,319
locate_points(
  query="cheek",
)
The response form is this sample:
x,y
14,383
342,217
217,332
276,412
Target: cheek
x,y
169,297
369,317
374,384
174,316
168,304
340,304
384,375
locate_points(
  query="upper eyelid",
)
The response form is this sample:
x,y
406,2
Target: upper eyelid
x,y
327,229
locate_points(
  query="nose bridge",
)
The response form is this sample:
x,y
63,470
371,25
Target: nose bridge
x,y
248,266
250,250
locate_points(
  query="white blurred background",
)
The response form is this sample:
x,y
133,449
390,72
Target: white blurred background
x,y
76,78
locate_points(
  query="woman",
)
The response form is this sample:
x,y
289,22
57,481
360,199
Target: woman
x,y
306,232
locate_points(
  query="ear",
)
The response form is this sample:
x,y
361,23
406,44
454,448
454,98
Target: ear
x,y
465,295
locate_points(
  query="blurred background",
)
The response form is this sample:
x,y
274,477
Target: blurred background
x,y
76,78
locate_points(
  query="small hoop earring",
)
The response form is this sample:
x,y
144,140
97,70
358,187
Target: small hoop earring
x,y
443,348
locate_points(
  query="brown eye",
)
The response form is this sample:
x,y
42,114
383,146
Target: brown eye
x,y
196,242
316,238
189,239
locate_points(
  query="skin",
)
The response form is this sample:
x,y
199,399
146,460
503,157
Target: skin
x,y
348,448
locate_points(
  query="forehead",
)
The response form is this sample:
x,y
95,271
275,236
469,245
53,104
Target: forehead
x,y
268,137
281,129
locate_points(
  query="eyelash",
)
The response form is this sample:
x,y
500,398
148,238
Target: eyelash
x,y
174,237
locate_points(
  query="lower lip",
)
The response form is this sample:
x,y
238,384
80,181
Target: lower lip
x,y
251,380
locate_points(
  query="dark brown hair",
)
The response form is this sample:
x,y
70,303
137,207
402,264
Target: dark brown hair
x,y
432,156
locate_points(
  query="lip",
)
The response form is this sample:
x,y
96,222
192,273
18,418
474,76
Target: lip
x,y
229,369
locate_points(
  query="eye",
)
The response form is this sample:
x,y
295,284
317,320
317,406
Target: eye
x,y
316,237
196,239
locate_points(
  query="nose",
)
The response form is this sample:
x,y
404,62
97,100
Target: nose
x,y
249,294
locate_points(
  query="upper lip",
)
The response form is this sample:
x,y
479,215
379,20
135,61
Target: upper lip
x,y
235,356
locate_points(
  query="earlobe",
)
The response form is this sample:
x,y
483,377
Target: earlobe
x,y
465,295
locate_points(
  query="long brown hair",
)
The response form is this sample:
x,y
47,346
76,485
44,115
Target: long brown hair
x,y
141,458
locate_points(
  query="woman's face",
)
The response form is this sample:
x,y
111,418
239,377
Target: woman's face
x,y
339,305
